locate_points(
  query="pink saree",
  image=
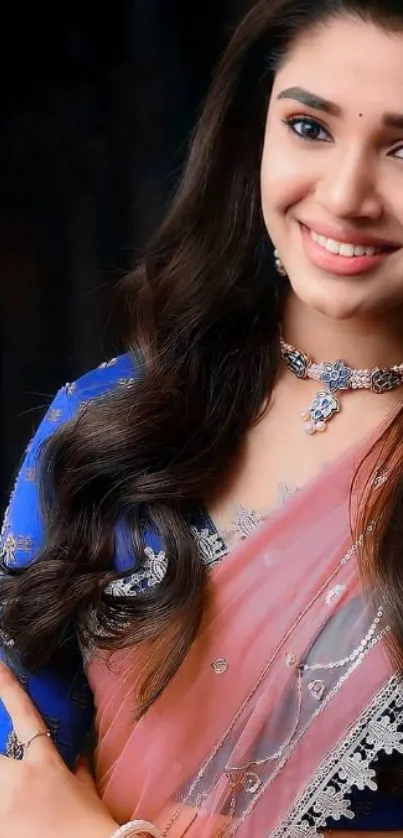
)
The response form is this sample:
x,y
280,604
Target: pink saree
x,y
284,700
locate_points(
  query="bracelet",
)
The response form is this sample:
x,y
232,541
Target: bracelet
x,y
133,828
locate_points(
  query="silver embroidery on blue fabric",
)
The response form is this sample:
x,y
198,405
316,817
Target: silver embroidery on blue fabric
x,y
11,542
151,574
8,544
106,364
210,545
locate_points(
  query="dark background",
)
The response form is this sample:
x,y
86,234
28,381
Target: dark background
x,y
96,111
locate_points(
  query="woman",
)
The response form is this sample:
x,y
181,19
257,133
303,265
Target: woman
x,y
244,660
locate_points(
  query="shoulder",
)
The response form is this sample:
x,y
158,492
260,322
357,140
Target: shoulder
x,y
90,386
23,524
102,380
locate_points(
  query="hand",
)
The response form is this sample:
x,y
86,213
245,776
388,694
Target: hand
x,y
39,796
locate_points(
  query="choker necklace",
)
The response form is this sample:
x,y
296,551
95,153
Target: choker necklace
x,y
335,377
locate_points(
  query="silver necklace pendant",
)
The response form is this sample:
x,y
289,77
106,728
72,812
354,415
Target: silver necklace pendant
x,y
322,408
336,377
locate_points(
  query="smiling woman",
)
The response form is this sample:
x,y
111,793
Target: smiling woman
x,y
244,660
344,149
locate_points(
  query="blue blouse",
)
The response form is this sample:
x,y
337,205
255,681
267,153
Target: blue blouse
x,y
62,694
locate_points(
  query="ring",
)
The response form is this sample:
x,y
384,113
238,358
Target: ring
x,y
16,749
25,745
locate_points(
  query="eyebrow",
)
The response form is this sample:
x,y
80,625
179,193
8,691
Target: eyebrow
x,y
317,103
311,100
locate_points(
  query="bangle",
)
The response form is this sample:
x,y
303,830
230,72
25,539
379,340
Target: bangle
x,y
133,828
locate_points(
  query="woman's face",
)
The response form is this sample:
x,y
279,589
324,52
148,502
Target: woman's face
x,y
332,169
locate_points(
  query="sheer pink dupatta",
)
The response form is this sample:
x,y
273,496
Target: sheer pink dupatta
x,y
243,729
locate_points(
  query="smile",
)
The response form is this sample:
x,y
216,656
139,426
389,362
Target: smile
x,y
344,258
344,248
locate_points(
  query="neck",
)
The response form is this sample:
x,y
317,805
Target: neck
x,y
360,343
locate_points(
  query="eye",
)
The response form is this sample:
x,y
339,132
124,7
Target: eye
x,y
398,152
308,129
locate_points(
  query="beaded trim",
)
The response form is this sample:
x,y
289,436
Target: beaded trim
x,y
338,376
335,377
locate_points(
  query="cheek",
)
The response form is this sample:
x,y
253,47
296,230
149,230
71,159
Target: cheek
x,y
286,178
391,189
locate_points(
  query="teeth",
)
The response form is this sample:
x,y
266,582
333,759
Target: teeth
x,y
342,248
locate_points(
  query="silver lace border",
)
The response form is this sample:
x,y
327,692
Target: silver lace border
x,y
349,765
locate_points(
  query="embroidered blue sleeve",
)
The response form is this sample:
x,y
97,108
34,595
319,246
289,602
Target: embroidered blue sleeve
x,y
62,696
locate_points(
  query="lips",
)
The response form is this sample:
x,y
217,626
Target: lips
x,y
341,248
354,237
344,255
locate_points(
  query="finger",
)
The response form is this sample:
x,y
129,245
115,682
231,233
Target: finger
x,y
26,720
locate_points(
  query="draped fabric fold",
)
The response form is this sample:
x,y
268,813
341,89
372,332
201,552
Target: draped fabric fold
x,y
288,660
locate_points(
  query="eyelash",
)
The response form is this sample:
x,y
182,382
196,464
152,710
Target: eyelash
x,y
298,120
306,120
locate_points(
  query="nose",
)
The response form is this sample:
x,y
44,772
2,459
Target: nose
x,y
348,188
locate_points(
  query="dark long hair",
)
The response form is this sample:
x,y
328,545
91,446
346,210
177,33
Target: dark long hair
x,y
203,310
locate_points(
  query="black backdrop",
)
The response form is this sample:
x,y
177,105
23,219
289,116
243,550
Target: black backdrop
x,y
96,110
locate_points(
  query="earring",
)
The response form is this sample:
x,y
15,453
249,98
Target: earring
x,y
279,265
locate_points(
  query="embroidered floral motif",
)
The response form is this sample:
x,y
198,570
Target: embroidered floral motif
x,y
285,491
335,594
383,734
317,689
24,543
210,545
220,666
157,563
247,521
8,543
6,522
8,549
54,414
151,574
355,771
125,382
334,799
251,782
5,640
106,364
303,831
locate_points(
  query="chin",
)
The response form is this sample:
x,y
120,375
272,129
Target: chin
x,y
336,303
337,311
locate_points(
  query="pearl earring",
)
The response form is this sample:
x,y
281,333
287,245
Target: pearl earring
x,y
279,265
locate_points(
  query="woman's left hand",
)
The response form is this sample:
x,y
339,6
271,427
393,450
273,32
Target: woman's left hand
x,y
39,796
